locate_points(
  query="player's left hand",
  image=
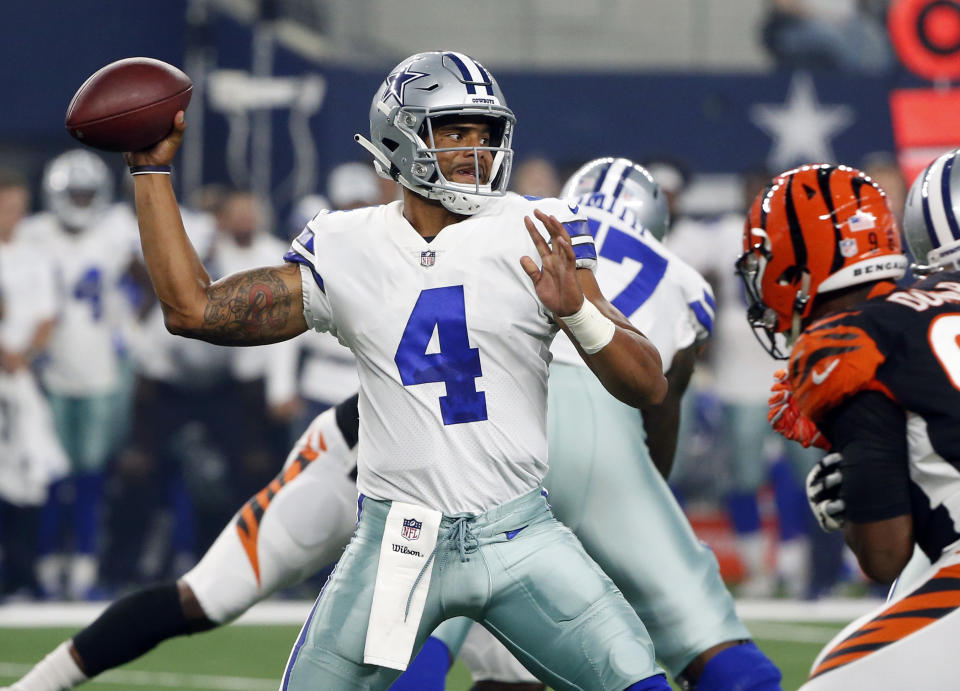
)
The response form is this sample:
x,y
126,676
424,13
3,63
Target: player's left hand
x,y
824,482
786,418
556,282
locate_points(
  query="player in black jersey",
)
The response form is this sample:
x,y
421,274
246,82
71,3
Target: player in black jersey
x,y
875,369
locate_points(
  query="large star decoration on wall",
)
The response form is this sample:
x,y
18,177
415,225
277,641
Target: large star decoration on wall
x,y
801,128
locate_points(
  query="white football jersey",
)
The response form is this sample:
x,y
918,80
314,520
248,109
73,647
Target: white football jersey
x,y
27,292
90,263
661,295
452,347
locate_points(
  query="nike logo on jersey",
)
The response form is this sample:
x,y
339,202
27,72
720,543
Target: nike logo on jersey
x,y
819,376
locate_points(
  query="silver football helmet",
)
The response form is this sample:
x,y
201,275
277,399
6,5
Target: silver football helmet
x,y
427,86
77,187
931,219
619,185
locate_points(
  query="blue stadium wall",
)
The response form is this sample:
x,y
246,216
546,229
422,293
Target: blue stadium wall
x,y
51,46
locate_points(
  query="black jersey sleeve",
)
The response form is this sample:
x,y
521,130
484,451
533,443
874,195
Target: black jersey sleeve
x,y
870,432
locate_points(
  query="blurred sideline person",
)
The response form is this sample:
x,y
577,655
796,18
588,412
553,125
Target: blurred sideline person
x,y
672,178
882,168
243,241
447,260
609,463
84,376
177,393
201,439
537,177
872,369
30,454
353,185
324,370
741,381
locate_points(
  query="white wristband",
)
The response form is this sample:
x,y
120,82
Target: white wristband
x,y
592,330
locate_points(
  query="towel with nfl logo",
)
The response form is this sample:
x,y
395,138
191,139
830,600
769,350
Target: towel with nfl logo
x,y
409,536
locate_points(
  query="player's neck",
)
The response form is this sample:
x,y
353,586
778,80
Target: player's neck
x,y
427,216
842,301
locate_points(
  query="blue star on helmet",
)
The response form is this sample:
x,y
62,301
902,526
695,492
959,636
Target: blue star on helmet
x,y
397,82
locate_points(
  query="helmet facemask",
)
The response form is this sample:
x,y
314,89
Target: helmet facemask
x,y
427,177
766,322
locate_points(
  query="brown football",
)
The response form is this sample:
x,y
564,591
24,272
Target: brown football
x,y
128,105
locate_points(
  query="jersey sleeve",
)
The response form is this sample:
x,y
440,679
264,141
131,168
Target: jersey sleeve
x,y
869,431
575,222
701,303
316,305
830,362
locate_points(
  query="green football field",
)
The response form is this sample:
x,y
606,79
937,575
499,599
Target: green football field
x,y
251,658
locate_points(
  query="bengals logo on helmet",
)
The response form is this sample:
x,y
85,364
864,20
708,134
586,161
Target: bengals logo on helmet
x,y
814,229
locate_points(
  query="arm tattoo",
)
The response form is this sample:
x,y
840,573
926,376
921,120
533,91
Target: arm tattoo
x,y
248,308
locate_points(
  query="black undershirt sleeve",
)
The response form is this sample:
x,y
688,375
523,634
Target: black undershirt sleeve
x,y
348,420
870,432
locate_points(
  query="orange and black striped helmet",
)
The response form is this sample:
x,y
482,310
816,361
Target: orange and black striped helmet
x,y
812,230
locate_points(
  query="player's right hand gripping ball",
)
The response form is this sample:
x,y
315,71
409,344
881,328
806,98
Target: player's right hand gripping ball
x,y
128,105
786,419
824,482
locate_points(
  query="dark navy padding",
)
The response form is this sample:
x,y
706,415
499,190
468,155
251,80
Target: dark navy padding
x,y
297,258
702,316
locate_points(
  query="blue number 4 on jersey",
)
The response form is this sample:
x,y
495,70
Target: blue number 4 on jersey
x,y
456,364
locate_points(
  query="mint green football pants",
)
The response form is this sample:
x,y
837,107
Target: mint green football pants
x,y
602,484
516,570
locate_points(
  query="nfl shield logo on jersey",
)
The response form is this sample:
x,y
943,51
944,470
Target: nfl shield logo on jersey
x,y
427,258
411,528
848,247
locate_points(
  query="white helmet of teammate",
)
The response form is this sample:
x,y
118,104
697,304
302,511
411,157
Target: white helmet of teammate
x,y
931,219
77,187
619,185
420,89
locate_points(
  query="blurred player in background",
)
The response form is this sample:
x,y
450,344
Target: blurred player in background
x,y
741,381
873,369
537,177
85,374
488,504
30,455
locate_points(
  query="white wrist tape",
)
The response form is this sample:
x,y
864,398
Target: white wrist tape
x,y
592,330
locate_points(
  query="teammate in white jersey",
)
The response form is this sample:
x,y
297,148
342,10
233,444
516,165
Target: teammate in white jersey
x,y
84,375
451,338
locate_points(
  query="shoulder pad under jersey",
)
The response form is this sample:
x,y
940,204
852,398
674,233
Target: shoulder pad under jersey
x,y
572,218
